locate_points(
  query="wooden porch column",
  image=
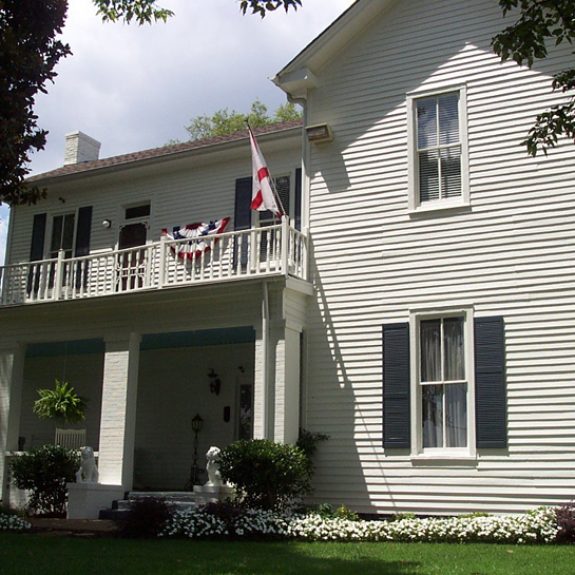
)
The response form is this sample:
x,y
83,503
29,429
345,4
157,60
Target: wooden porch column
x,y
11,382
118,419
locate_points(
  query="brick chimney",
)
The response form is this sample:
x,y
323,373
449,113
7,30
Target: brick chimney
x,y
80,148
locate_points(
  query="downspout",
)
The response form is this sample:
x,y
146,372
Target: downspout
x,y
265,359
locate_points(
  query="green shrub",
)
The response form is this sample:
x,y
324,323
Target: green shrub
x,y
45,472
267,474
146,518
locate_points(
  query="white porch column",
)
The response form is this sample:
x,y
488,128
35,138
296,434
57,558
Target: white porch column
x,y
287,384
118,419
261,385
11,383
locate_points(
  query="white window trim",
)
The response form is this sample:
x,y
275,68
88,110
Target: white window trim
x,y
414,204
441,454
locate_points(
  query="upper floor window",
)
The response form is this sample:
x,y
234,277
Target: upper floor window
x,y
63,232
437,150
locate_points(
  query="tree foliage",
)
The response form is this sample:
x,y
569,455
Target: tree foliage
x,y
225,122
262,7
540,23
142,11
29,51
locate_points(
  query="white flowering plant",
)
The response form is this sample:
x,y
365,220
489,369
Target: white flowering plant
x,y
10,522
537,526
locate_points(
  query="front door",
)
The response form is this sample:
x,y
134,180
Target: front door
x,y
132,263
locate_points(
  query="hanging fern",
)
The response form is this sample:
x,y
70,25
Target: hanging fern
x,y
61,403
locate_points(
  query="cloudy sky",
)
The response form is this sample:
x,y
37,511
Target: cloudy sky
x,y
134,87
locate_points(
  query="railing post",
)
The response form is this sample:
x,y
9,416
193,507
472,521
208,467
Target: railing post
x,y
285,246
59,275
162,263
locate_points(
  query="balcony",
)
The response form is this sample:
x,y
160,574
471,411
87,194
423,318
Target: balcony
x,y
278,250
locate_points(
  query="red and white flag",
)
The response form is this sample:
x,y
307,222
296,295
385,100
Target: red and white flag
x,y
263,197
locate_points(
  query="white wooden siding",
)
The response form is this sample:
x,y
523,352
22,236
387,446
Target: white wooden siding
x,y
510,254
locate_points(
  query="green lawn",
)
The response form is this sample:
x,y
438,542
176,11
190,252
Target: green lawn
x,y
25,554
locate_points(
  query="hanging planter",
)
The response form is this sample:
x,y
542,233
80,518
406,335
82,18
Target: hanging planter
x,y
60,404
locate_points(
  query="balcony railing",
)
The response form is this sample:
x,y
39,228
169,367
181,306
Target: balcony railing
x,y
268,251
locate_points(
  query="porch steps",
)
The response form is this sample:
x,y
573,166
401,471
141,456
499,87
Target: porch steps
x,y
179,500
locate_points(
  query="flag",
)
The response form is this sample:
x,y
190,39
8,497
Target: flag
x,y
263,197
196,234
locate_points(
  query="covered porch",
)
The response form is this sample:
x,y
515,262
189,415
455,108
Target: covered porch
x,y
236,365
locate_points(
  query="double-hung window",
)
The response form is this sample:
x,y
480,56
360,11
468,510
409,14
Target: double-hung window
x,y
63,235
443,384
437,149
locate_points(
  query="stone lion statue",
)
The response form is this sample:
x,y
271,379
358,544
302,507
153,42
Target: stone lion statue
x,y
88,471
213,467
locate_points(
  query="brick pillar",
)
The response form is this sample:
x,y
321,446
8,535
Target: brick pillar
x,y
287,384
11,382
118,418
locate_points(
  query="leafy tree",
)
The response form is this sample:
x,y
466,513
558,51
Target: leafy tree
x,y
29,51
143,11
541,22
225,122
261,7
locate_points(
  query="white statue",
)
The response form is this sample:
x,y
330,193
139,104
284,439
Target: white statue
x,y
213,467
88,472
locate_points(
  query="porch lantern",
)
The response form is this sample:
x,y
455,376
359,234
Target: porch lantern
x,y
197,424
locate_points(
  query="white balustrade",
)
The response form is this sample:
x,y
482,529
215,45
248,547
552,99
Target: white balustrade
x,y
271,250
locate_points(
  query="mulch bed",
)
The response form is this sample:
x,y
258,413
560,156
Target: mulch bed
x,y
74,527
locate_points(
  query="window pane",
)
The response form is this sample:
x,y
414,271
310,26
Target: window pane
x,y
432,411
449,119
451,172
456,415
430,338
454,351
426,123
428,176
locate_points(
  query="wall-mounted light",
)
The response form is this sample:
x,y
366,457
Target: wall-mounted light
x,y
215,382
319,133
107,224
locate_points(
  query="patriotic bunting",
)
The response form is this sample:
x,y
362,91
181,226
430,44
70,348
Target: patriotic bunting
x,y
195,233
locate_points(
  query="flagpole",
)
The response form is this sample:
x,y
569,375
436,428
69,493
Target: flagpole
x,y
271,180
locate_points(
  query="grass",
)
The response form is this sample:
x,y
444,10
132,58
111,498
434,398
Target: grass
x,y
25,554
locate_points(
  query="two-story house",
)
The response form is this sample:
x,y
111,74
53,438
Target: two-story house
x,y
417,305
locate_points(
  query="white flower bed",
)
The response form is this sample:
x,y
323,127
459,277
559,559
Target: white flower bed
x,y
13,523
538,526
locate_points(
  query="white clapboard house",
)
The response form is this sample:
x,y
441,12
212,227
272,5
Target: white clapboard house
x,y
416,305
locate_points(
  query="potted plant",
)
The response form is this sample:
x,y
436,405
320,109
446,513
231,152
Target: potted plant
x,y
60,404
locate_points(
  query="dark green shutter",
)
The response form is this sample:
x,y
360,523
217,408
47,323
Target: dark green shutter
x,y
83,233
242,215
490,393
297,199
396,387
36,252
38,234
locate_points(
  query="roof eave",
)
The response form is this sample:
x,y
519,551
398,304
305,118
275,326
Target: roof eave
x,y
160,159
323,48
